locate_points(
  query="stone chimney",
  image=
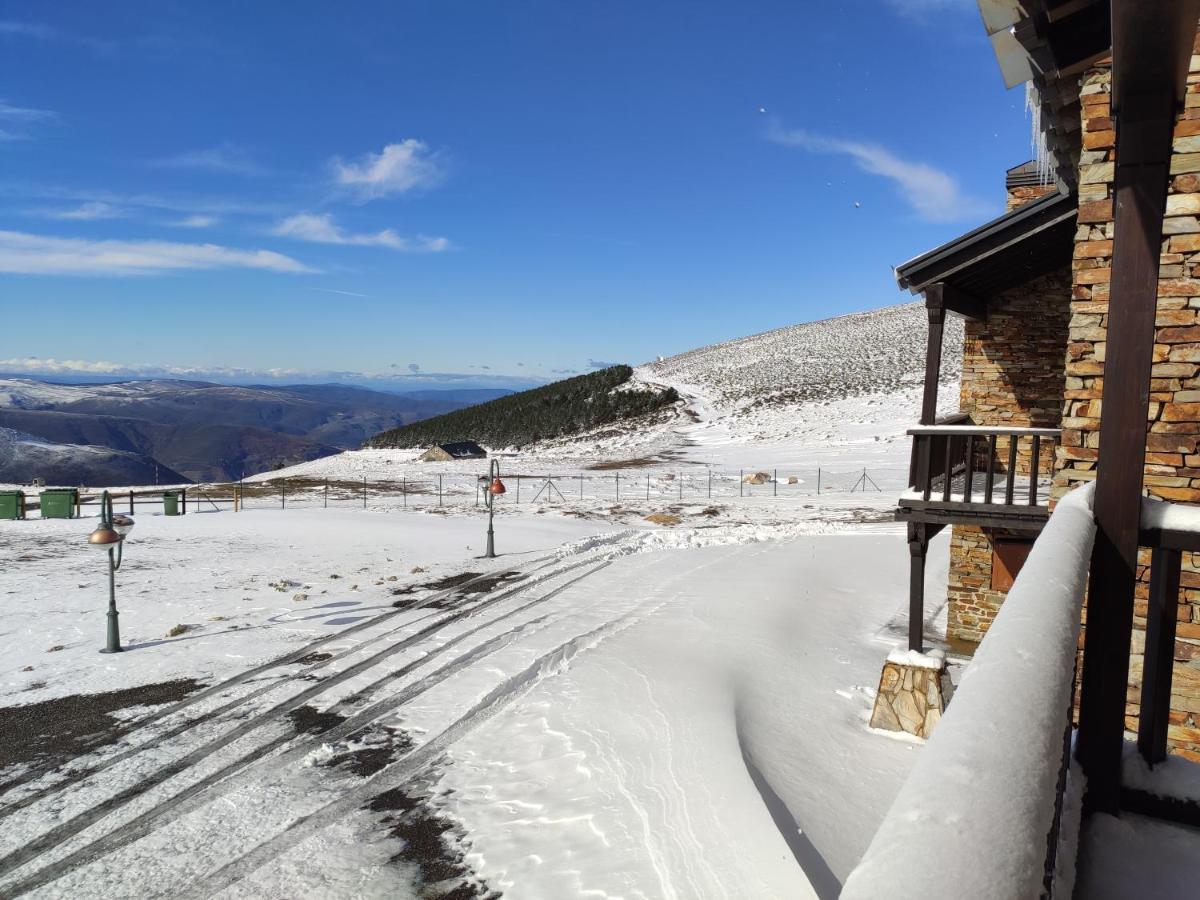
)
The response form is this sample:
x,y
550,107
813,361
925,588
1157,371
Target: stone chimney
x,y
1023,184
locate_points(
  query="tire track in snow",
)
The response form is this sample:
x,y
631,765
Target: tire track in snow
x,y
193,797
69,829
401,771
288,659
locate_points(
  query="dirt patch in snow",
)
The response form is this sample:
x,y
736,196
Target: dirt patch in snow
x,y
55,731
308,720
428,845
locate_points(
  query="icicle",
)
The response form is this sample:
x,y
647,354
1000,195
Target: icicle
x,y
1037,137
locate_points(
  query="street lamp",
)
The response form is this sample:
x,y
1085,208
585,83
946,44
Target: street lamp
x,y
110,535
494,489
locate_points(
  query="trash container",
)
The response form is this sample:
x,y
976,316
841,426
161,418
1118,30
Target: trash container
x,y
58,503
170,503
12,504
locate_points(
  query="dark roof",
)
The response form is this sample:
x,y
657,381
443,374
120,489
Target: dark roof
x,y
1029,241
1025,175
463,448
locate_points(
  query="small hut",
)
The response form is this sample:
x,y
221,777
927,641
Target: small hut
x,y
456,450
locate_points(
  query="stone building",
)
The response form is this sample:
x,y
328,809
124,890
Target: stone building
x,y
1033,287
453,451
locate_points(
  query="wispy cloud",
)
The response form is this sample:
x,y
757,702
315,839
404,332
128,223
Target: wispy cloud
x,y
17,123
336,291
33,254
321,229
227,158
49,367
919,9
197,221
42,32
600,364
85,212
399,168
933,194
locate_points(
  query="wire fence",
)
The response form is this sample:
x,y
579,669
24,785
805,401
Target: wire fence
x,y
459,489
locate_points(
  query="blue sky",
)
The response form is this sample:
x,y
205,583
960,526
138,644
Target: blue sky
x,y
492,189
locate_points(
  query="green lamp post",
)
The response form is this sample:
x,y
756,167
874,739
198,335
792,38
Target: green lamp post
x,y
494,489
110,535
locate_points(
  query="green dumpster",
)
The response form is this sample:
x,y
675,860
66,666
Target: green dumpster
x,y
12,504
58,503
170,503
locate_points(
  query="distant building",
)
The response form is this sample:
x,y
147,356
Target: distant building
x,y
457,450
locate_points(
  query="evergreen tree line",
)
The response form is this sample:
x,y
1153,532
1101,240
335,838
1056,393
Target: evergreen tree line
x,y
554,410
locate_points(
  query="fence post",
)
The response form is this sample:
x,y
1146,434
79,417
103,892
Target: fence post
x,y
741,482
710,482
581,486
364,492
679,478
283,495
775,492
183,498
439,488
518,488
327,493
618,487
404,489
647,487
818,480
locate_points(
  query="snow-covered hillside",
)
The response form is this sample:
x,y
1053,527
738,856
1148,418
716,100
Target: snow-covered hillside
x,y
69,464
877,352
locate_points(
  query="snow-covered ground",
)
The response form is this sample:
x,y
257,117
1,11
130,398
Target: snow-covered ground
x,y
613,707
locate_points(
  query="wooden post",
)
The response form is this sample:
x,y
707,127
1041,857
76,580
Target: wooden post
x,y
404,489
1151,43
710,482
283,494
775,483
819,482
439,489
326,493
618,487
679,476
183,501
936,311
918,547
580,485
365,490
1159,654
647,487
742,483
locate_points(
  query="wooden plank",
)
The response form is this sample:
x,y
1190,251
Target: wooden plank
x,y
933,353
947,471
967,475
1159,654
1011,482
989,483
1035,458
918,547
1143,32
1168,809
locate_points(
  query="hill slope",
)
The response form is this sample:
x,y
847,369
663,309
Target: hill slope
x,y
24,457
875,352
212,431
562,408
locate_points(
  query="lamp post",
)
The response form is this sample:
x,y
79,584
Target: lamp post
x,y
110,535
494,489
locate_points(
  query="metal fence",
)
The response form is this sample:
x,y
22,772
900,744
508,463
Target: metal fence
x,y
460,489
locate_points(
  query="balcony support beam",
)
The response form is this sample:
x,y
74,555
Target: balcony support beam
x,y
1151,43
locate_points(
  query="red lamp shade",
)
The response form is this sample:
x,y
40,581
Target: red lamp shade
x,y
497,486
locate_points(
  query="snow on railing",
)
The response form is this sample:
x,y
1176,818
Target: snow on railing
x,y
975,816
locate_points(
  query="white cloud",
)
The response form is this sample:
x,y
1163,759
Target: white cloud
x,y
225,158
933,194
919,9
398,169
85,212
19,119
196,222
33,254
321,229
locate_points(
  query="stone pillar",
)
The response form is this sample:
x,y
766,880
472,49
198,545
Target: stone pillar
x,y
910,693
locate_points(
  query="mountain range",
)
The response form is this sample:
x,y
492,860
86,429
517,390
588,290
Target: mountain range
x,y
198,430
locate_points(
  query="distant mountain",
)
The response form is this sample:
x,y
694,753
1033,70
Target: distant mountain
x,y
75,464
213,432
542,413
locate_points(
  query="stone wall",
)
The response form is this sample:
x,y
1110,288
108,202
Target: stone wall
x,y
1012,375
1172,467
1022,194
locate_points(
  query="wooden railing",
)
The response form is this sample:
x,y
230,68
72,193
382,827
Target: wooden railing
x,y
959,463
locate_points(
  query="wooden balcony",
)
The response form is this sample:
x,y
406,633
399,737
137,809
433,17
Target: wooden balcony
x,y
990,476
